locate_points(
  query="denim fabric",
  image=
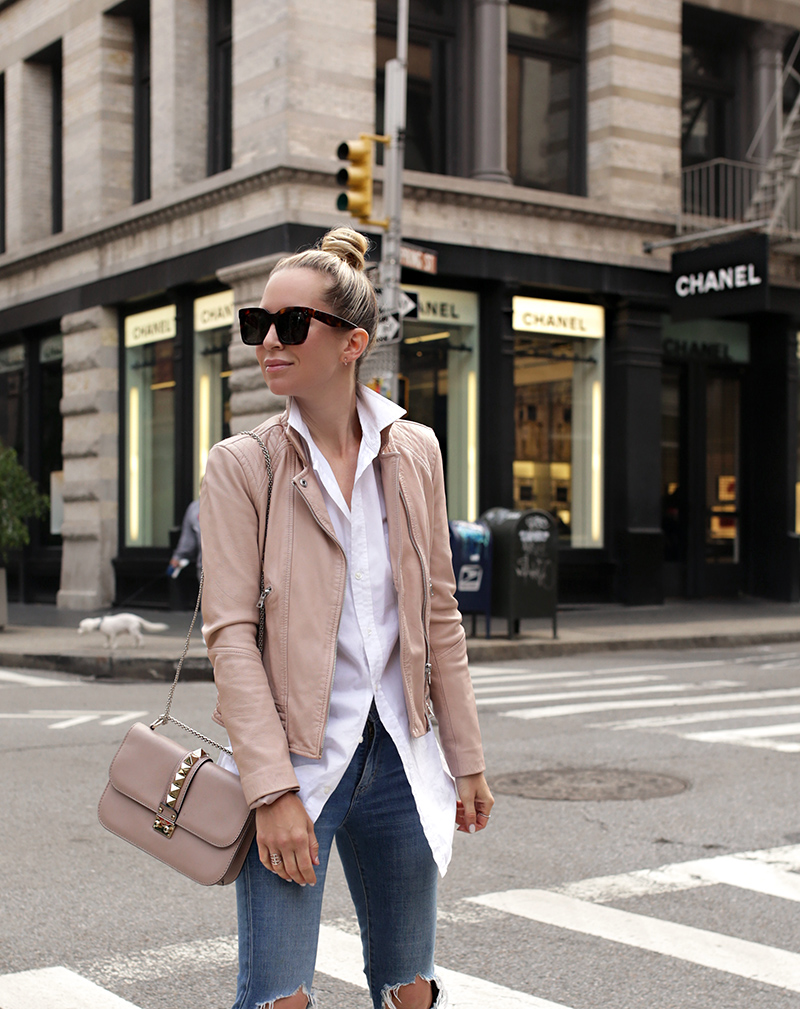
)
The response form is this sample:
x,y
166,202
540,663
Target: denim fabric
x,y
390,872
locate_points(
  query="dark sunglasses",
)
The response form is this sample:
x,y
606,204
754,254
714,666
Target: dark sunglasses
x,y
291,324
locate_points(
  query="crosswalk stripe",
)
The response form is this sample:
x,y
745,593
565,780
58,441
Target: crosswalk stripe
x,y
771,871
740,957
25,680
340,956
606,681
55,988
661,688
751,737
663,721
587,708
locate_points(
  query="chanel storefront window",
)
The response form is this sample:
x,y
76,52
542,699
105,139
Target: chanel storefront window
x,y
150,426
558,409
213,317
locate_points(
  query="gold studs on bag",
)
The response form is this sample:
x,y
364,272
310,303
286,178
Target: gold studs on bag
x,y
161,824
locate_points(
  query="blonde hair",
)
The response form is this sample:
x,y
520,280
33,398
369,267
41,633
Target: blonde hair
x,y
340,256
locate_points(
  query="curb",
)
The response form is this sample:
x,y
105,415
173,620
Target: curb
x,y
117,667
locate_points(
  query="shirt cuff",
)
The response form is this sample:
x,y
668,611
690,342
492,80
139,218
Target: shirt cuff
x,y
267,800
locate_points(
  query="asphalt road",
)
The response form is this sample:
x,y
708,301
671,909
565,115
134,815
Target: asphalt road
x,y
643,854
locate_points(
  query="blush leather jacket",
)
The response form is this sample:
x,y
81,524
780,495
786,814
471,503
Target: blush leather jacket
x,y
277,703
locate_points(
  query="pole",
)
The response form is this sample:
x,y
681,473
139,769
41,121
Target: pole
x,y
388,351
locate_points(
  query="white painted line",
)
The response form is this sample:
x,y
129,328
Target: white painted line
x,y
26,680
488,671
741,738
740,957
661,688
772,871
340,956
55,988
559,710
126,716
663,721
606,681
76,720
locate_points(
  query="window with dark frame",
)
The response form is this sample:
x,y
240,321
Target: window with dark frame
x,y
546,95
141,103
51,58
220,86
713,51
430,112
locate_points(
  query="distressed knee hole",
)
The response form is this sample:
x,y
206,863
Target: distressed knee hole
x,y
421,993
301,999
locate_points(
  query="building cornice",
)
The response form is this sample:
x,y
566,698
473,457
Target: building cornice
x,y
237,184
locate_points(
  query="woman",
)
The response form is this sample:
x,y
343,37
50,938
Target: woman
x,y
330,728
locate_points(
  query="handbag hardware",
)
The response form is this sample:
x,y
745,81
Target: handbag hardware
x,y
178,805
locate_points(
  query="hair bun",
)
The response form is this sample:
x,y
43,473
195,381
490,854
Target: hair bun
x,y
348,245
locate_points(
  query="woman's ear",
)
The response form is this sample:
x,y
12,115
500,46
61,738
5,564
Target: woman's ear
x,y
357,343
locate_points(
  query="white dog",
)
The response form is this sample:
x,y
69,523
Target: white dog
x,y
113,625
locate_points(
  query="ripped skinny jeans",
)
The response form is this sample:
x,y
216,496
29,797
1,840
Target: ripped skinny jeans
x,y
390,872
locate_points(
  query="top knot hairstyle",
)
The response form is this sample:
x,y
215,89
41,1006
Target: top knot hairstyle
x,y
341,257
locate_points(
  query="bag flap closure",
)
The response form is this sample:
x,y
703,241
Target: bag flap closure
x,y
214,807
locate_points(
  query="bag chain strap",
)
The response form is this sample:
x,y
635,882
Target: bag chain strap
x,y
166,716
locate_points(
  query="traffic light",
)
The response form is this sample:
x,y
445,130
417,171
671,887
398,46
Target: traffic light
x,y
357,178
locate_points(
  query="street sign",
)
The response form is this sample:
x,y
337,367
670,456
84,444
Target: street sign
x,y
388,328
409,304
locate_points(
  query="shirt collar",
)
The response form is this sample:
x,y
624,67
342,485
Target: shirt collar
x,y
375,413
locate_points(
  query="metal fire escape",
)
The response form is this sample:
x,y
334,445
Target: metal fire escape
x,y
775,196
721,198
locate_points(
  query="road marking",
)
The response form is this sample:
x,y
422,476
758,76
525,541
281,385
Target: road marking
x,y
483,687
740,957
339,955
665,688
55,988
26,680
69,719
760,736
663,721
771,871
489,671
559,710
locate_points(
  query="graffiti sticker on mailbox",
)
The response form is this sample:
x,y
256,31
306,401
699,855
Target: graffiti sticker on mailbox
x,y
535,561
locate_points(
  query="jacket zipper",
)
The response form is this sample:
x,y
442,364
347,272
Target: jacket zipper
x,y
341,607
426,583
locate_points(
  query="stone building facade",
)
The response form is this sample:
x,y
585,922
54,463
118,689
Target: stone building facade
x,y
158,156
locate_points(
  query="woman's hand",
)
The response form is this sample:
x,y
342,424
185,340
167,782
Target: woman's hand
x,y
474,804
284,830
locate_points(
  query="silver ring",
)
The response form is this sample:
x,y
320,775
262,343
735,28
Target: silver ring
x,y
276,859
487,815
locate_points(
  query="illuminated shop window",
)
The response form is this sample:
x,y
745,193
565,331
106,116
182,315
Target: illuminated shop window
x,y
150,426
558,409
213,317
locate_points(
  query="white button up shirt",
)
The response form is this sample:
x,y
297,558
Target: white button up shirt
x,y
368,649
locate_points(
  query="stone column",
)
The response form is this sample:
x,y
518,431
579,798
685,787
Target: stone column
x,y
633,52
179,70
29,116
491,62
98,119
767,45
251,401
91,458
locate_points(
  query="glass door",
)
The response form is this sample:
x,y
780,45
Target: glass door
x,y
722,526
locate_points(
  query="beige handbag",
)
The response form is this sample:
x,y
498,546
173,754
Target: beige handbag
x,y
177,804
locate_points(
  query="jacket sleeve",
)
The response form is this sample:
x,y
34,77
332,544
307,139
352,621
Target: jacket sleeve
x,y
232,506
452,695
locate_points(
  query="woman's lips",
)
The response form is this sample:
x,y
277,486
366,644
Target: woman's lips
x,y
273,367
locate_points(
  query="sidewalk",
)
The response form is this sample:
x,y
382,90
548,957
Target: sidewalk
x,y
43,637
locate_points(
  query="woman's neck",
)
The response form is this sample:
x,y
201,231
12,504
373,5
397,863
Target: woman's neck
x,y
334,425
